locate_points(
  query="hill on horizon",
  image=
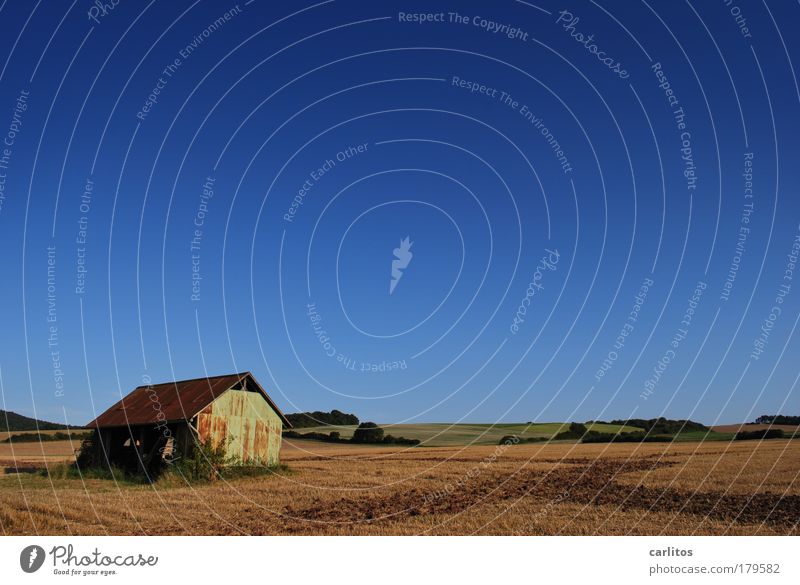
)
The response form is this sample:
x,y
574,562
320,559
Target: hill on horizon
x,y
11,421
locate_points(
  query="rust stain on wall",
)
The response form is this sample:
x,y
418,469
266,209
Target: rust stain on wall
x,y
252,428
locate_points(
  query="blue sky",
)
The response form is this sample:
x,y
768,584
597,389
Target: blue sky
x,y
200,188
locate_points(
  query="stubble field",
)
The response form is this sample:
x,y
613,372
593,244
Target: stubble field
x,y
746,487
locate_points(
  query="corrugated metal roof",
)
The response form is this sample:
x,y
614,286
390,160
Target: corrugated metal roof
x,y
174,400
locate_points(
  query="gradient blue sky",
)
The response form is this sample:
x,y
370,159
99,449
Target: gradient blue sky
x,y
267,97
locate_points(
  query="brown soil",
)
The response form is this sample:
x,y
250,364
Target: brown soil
x,y
585,483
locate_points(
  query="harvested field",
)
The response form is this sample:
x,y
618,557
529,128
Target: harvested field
x,y
5,434
657,488
35,455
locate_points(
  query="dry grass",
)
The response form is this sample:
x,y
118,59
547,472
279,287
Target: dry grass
x,y
746,487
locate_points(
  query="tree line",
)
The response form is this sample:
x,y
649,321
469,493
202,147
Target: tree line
x,y
304,420
367,433
777,419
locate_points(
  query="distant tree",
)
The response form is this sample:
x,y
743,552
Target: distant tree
x,y
332,437
577,429
318,418
662,426
759,435
777,419
636,437
368,432
337,417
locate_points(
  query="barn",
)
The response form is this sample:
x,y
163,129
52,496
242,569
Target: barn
x,y
159,421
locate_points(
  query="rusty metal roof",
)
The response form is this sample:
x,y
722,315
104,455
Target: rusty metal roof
x,y
174,401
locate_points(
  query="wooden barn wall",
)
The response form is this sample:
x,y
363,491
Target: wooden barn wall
x,y
253,428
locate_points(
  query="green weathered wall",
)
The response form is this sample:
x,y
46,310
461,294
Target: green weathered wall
x,y
252,427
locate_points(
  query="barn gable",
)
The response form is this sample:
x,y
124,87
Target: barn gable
x,y
250,426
